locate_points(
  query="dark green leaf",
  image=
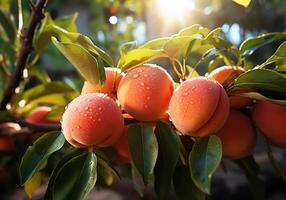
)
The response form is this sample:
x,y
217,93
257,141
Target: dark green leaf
x,y
258,96
37,154
72,153
105,172
276,166
203,160
184,186
279,57
249,46
168,156
76,178
39,73
8,26
251,169
261,79
16,10
143,148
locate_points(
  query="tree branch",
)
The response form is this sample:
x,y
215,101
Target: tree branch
x,y
26,48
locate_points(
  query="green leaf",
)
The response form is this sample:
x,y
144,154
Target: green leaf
x,y
33,184
251,169
194,29
179,44
76,178
251,45
39,73
275,164
8,26
168,156
261,79
143,148
155,44
67,22
37,154
105,172
16,10
128,46
84,62
55,114
137,57
204,158
279,57
192,72
44,90
258,96
244,3
71,153
184,186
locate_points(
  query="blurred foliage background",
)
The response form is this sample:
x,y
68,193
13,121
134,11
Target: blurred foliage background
x,y
110,23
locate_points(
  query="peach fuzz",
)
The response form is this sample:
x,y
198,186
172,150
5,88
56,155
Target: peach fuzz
x,y
270,118
113,78
199,107
226,75
237,136
145,92
92,119
38,115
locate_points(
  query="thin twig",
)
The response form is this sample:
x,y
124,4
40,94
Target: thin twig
x,y
27,36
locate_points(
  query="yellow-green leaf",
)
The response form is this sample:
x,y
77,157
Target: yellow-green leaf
x,y
244,3
33,184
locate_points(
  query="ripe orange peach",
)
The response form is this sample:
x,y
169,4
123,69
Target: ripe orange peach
x,y
6,143
145,92
237,136
38,115
271,120
225,75
121,147
113,78
199,107
92,119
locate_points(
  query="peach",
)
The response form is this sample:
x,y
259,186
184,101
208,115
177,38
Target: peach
x,y
237,135
226,75
6,143
199,107
121,147
92,119
38,115
271,120
145,92
113,78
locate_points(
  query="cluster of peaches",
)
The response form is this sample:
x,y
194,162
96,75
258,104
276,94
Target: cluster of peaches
x,y
197,107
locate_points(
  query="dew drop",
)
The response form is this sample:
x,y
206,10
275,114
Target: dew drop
x,y
99,119
148,88
185,93
90,117
142,84
75,109
86,108
78,127
100,108
140,70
